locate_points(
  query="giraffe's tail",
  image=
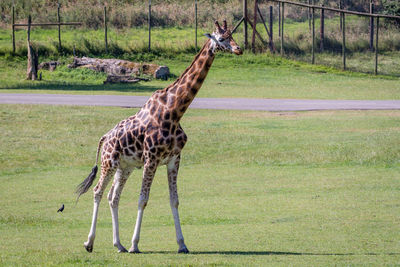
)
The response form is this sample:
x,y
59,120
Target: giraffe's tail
x,y
87,183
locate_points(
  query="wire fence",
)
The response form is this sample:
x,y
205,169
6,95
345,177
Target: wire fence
x,y
273,26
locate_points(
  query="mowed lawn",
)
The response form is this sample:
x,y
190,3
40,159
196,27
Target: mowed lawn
x,y
256,188
247,76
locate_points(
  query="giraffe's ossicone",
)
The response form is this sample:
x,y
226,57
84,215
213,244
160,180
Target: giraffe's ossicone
x,y
150,138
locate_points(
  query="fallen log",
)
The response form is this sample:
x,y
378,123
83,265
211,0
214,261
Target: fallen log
x,y
123,79
121,67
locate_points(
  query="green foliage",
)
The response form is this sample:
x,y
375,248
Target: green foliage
x,y
392,7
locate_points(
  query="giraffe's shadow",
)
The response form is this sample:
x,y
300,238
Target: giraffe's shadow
x,y
59,86
261,253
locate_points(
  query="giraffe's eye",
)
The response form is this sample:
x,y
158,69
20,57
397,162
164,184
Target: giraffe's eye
x,y
220,39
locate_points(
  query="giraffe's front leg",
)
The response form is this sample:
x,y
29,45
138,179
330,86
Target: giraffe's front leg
x,y
149,171
173,167
113,198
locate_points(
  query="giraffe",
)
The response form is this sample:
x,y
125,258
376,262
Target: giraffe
x,y
150,138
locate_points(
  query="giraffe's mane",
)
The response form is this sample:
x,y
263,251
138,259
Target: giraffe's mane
x,y
191,65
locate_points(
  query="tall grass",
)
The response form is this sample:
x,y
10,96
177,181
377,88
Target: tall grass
x,y
178,43
131,40
298,38
122,14
126,13
173,31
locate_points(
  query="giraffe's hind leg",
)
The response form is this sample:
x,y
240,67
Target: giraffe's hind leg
x,y
98,190
113,199
172,168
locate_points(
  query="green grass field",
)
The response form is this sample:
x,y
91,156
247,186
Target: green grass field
x,y
256,188
253,76
171,42
261,76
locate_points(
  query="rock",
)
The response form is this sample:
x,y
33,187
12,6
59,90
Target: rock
x,y
161,72
51,65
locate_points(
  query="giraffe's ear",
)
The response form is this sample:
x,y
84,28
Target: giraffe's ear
x,y
208,35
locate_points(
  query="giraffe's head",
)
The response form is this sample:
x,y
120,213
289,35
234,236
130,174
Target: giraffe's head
x,y
222,39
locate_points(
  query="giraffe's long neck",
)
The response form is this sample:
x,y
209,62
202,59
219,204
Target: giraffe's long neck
x,y
182,92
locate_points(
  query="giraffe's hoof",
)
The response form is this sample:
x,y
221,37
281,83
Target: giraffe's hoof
x,y
134,250
123,250
89,248
183,250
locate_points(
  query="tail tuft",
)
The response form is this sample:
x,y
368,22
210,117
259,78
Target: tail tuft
x,y
87,183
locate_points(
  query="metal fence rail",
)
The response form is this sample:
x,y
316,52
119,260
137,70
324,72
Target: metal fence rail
x,y
342,13
29,24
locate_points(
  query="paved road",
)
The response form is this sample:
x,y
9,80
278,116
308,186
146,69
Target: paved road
x,y
203,103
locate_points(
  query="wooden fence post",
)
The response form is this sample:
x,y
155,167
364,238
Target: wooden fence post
x,y
279,18
282,30
271,35
237,25
313,35
149,21
29,27
322,30
105,29
13,28
262,20
245,24
195,13
340,20
33,60
253,37
309,16
344,40
376,46
371,26
59,27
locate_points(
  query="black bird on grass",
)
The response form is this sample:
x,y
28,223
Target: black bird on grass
x,y
61,209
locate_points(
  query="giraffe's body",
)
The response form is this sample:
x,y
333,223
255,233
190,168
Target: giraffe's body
x,y
151,137
155,130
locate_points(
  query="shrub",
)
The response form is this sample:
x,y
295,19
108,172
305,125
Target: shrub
x,y
392,7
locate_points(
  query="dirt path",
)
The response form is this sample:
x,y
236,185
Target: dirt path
x,y
203,103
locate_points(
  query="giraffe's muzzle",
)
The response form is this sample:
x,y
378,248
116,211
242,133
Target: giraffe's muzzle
x,y
237,51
